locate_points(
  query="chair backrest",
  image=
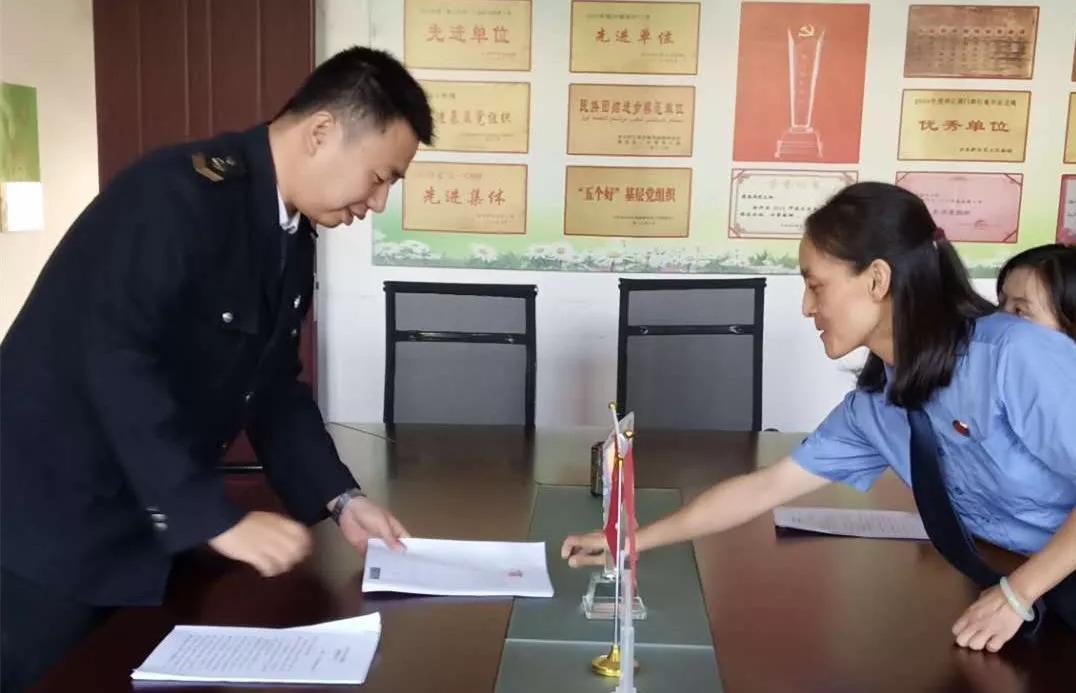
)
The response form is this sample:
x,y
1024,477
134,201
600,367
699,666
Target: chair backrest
x,y
690,353
459,353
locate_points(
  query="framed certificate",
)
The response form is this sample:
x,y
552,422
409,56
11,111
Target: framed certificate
x,y
972,41
971,207
630,120
627,202
468,198
654,38
480,116
468,34
951,125
775,204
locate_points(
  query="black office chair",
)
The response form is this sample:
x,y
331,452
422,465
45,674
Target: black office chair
x,y
459,353
689,353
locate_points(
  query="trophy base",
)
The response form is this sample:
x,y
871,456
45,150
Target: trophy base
x,y
799,144
600,604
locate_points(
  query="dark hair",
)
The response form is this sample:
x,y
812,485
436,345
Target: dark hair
x,y
364,84
1055,266
934,303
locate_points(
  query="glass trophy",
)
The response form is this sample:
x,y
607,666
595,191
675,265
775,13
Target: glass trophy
x,y
801,142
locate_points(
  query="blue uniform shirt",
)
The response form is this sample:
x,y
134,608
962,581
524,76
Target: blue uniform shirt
x,y
1012,477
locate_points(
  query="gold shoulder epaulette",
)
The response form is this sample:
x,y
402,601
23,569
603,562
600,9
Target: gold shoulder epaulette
x,y
217,168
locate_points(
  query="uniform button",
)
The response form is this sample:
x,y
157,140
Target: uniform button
x,y
227,317
158,517
153,509
223,446
295,332
297,302
246,397
160,526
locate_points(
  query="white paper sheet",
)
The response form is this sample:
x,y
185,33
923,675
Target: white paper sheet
x,y
337,652
458,568
873,524
371,623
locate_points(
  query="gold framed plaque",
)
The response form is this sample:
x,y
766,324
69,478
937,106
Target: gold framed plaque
x,y
630,120
466,198
468,34
972,125
480,116
627,202
971,41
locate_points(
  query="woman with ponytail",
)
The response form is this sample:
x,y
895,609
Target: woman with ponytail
x,y
968,405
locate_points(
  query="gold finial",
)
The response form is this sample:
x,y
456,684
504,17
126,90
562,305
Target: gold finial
x,y
629,434
612,406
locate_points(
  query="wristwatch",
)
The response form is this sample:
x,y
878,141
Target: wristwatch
x,y
342,500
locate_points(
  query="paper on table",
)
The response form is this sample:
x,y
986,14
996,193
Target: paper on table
x,y
458,568
370,623
873,524
337,652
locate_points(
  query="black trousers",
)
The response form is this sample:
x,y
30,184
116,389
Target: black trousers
x,y
38,628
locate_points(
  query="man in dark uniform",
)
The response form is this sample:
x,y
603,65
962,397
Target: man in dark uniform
x,y
166,321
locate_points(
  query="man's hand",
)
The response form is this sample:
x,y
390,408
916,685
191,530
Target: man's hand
x,y
269,542
362,519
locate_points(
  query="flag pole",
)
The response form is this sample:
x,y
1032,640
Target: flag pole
x,y
619,523
627,623
609,664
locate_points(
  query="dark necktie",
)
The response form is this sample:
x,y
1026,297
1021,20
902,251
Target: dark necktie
x,y
943,526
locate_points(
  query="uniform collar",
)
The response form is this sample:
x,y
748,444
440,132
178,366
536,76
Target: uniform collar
x,y
259,159
289,224
265,210
263,190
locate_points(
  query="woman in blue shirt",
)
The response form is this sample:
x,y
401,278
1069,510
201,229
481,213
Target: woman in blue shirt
x,y
997,390
1040,285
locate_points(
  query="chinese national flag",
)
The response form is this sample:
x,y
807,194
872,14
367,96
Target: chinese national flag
x,y
629,502
623,493
614,505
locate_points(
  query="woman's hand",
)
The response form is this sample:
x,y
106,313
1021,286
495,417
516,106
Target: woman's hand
x,y
584,549
988,623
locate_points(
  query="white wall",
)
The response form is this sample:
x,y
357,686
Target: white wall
x,y
577,329
48,44
576,316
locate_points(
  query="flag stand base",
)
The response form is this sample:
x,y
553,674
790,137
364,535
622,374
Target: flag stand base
x,y
608,664
599,601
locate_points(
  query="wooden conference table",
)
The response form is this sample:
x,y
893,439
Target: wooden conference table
x,y
786,614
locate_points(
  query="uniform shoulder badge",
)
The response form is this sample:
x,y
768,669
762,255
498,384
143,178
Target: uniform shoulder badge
x,y
218,168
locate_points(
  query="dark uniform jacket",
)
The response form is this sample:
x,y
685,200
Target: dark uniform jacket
x,y
166,321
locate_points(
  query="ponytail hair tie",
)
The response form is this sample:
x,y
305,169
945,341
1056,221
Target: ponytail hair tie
x,y
939,237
